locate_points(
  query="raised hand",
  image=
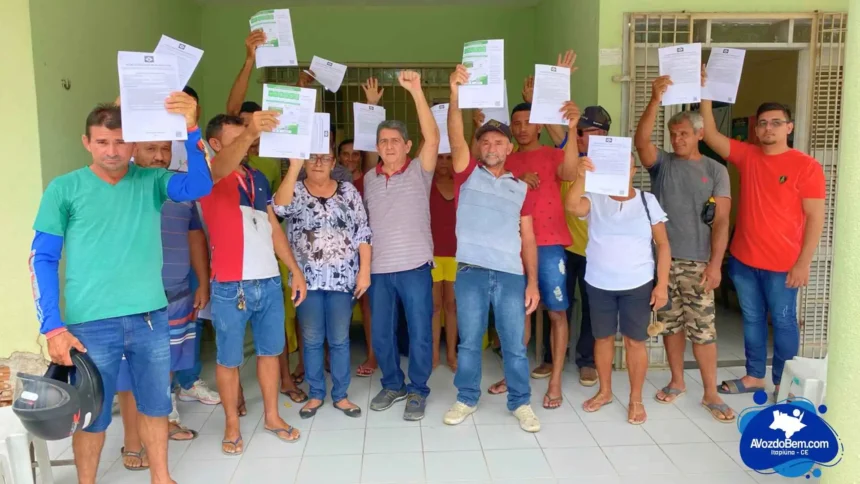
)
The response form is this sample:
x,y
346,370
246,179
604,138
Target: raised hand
x,y
585,165
372,91
410,80
255,39
571,114
659,87
478,118
529,89
263,121
181,103
459,77
704,75
305,79
568,60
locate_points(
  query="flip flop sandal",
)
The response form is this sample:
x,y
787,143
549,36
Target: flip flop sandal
x,y
736,387
243,409
235,444
670,392
602,404
353,412
552,403
306,413
302,398
637,422
722,408
181,430
364,371
497,385
288,431
298,378
135,455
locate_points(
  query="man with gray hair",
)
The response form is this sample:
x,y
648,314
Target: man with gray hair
x,y
397,196
694,191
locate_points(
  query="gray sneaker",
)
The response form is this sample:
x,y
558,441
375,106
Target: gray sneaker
x,y
386,398
415,405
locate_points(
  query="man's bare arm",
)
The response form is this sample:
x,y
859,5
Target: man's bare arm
x,y
642,139
460,151
230,156
240,85
411,81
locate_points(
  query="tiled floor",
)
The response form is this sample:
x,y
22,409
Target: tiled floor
x,y
680,443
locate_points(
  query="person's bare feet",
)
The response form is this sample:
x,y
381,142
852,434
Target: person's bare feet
x,y
498,388
671,392
232,443
282,429
717,407
596,402
636,413
452,360
134,459
553,397
435,359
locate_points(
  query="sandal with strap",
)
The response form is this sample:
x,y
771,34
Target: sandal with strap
x,y
179,429
236,444
134,455
722,409
672,394
736,387
364,371
586,406
498,388
301,398
287,431
633,421
552,403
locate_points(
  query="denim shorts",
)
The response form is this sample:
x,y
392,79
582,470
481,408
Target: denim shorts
x,y
262,303
552,277
628,311
145,340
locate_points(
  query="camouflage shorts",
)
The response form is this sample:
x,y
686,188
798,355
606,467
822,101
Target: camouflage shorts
x,y
693,309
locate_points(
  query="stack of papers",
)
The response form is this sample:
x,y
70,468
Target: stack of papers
x,y
292,138
683,64
485,61
145,82
279,49
367,118
552,90
440,113
329,74
611,158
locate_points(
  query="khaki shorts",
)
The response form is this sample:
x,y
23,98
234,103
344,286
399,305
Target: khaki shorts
x,y
693,309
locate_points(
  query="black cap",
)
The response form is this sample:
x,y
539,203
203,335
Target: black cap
x,y
493,125
595,117
250,107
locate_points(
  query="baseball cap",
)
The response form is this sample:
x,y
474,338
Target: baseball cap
x,y
250,107
595,117
493,125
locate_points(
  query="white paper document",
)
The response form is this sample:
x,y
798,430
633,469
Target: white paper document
x,y
280,48
367,118
329,74
683,64
552,90
440,112
724,75
186,55
179,157
292,138
502,115
145,82
485,61
321,136
611,158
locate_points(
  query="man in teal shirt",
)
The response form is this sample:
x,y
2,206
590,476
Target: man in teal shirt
x,y
107,216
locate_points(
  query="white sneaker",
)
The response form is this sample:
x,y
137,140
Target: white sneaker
x,y
200,392
174,414
528,420
457,413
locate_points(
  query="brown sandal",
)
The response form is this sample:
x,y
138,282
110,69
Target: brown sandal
x,y
176,429
301,398
633,421
552,403
498,388
134,455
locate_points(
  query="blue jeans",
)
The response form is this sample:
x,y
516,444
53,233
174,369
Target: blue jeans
x,y
145,341
326,316
761,292
414,289
476,289
552,277
263,307
186,378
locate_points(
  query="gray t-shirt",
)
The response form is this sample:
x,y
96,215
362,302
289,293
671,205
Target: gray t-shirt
x,y
682,187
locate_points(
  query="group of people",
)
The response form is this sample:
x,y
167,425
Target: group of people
x,y
492,227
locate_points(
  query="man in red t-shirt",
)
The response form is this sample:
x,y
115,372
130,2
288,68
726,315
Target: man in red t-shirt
x,y
780,218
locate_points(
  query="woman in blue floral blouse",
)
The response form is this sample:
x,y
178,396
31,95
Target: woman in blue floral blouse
x,y
330,237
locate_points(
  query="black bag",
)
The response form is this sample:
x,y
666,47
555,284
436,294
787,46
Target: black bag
x,y
654,250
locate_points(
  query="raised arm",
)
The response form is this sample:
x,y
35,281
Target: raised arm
x,y
642,139
477,121
720,143
568,169
240,86
197,182
460,151
575,202
556,132
411,81
372,94
229,158
284,195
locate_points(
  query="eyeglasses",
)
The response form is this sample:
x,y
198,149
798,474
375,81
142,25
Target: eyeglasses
x,y
775,123
321,160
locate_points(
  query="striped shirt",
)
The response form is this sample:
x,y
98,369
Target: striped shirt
x,y
398,207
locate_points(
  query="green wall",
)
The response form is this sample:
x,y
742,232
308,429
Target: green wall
x,y
562,25
368,35
80,44
612,24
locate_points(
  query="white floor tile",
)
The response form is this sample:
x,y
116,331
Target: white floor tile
x,y
591,480
564,435
611,412
450,438
732,449
265,445
564,413
618,433
451,466
517,464
117,474
680,431
335,442
654,479
330,469
493,412
586,462
718,431
208,447
700,458
330,418
639,460
722,478
495,437
205,472
393,417
216,423
436,409
776,479
284,469
386,469
392,440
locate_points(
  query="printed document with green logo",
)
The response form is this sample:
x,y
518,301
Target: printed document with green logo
x,y
279,49
145,82
292,137
485,61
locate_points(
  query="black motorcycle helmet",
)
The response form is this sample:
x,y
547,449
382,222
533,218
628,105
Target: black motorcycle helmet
x,y
66,399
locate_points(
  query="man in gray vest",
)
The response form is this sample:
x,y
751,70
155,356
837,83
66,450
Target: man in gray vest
x,y
495,246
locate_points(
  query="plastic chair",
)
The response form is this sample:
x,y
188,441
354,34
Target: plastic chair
x,y
16,462
804,377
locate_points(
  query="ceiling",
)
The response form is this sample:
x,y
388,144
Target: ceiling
x,y
368,3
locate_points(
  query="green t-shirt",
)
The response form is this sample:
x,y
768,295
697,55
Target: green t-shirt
x,y
112,241
270,168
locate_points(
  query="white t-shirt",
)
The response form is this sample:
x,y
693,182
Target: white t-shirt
x,y
619,253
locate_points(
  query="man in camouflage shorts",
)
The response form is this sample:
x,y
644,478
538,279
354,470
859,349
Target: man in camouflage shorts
x,y
694,192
